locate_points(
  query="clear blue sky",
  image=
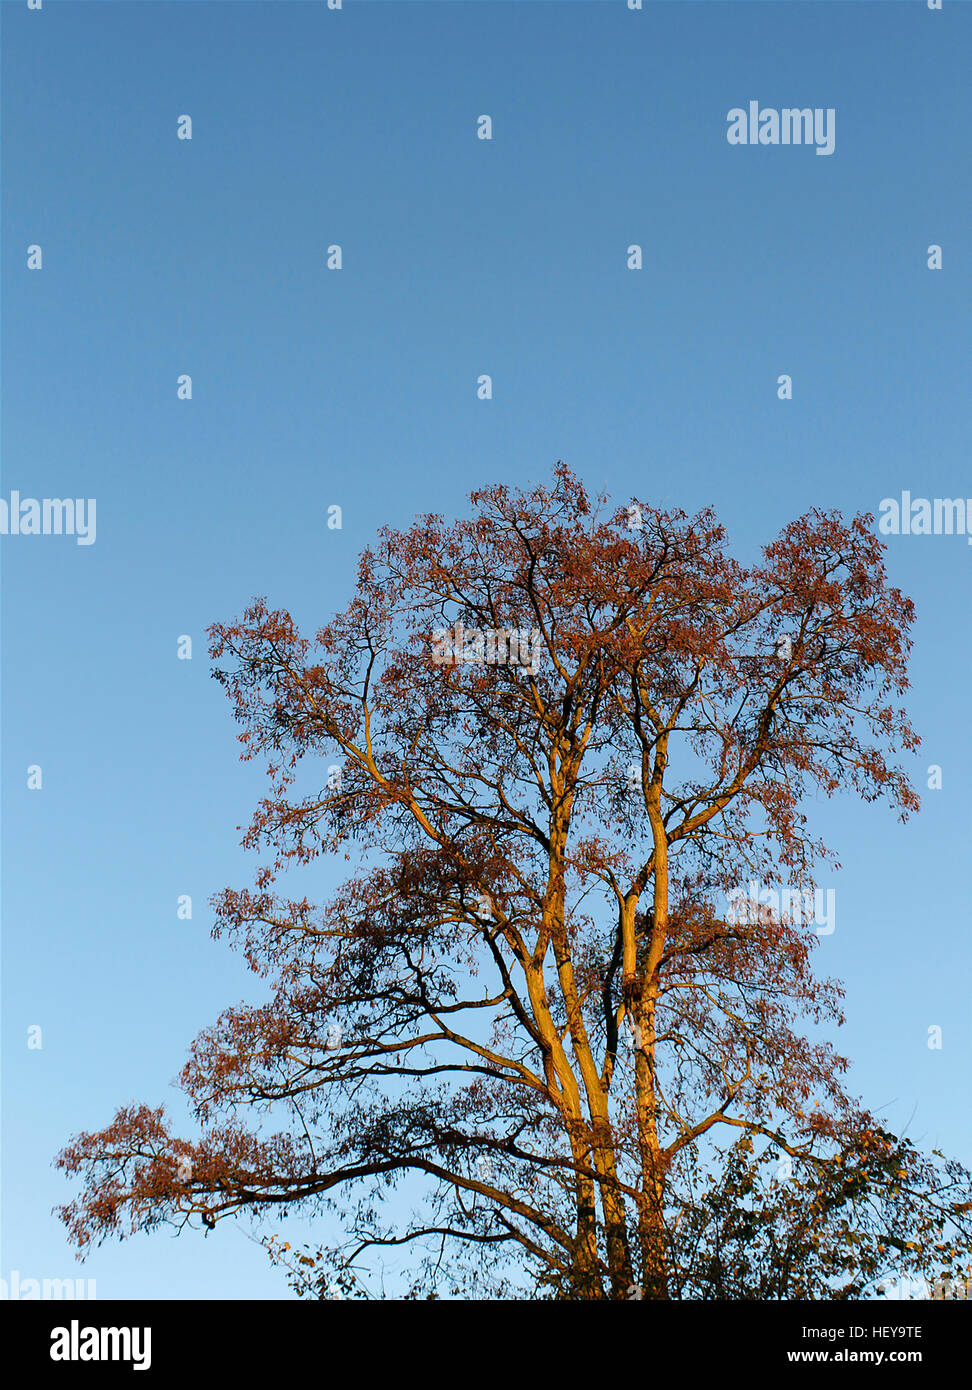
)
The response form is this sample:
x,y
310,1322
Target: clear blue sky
x,y
358,387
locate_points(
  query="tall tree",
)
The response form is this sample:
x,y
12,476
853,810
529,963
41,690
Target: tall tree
x,y
555,739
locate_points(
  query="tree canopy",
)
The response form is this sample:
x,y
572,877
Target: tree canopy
x,y
553,739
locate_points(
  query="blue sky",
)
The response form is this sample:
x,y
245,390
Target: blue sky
x,y
358,388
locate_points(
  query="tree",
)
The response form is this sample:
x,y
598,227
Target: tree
x,y
555,740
